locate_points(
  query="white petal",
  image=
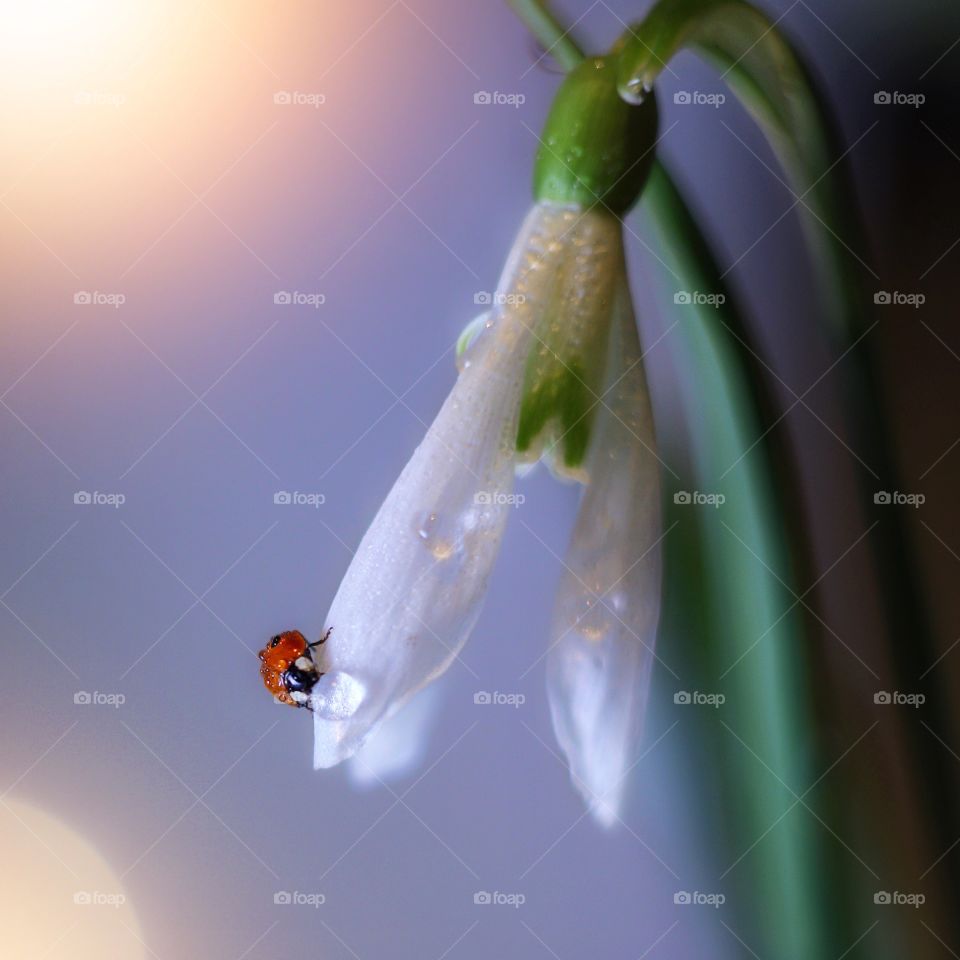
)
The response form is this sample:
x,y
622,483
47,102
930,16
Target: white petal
x,y
608,603
399,745
414,588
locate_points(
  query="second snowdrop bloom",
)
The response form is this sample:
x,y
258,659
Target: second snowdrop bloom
x,y
608,603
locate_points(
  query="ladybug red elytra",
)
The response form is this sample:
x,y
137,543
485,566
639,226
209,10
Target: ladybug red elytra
x,y
288,670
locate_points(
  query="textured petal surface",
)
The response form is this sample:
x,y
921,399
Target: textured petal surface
x,y
608,603
413,591
568,360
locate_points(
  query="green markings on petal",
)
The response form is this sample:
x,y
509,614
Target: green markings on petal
x,y
577,257
558,395
565,372
594,158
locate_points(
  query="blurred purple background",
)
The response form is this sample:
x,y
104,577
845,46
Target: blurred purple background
x,y
199,199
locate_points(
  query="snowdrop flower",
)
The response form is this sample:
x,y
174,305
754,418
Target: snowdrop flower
x,y
413,591
552,371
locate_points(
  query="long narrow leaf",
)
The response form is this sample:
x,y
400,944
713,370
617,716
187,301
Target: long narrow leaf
x,y
762,68
751,639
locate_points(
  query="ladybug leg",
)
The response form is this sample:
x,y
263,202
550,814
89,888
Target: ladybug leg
x,y
322,640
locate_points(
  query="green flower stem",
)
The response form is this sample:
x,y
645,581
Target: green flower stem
x,y
763,70
556,41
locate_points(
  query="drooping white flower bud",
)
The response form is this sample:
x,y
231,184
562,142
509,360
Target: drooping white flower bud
x,y
608,602
413,591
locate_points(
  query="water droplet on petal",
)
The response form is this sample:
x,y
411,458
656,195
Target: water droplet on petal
x,y
430,531
427,527
337,696
471,336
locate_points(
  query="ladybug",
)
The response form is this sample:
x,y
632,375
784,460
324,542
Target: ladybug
x,y
288,670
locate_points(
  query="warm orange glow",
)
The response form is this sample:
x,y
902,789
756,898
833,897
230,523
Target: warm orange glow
x,y
60,898
53,38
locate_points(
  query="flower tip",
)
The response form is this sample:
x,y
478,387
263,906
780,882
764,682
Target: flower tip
x,y
605,813
398,746
597,762
325,751
337,730
597,777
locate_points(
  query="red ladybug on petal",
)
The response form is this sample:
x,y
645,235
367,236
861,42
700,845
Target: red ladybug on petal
x,y
287,668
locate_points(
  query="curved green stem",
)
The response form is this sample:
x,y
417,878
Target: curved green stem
x,y
771,81
541,22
